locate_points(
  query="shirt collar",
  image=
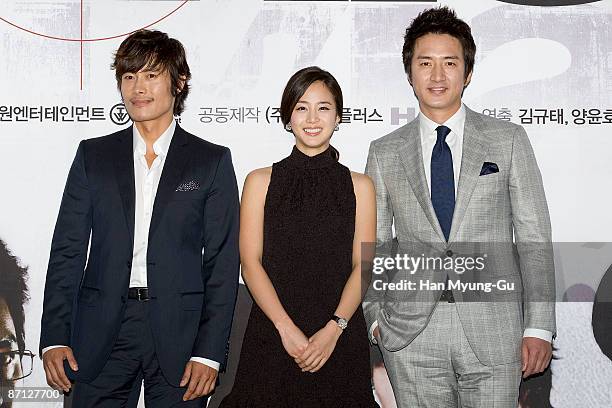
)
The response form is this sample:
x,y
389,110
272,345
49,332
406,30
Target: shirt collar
x,y
161,145
455,123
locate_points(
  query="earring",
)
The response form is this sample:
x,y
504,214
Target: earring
x,y
288,127
337,128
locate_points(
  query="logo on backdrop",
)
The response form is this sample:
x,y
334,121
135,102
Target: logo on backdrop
x,y
118,114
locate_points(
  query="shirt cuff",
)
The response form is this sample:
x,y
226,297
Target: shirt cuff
x,y
49,348
539,333
372,328
210,363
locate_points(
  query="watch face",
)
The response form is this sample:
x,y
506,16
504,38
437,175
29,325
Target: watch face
x,y
342,323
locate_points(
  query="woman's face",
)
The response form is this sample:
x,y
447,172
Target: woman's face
x,y
314,118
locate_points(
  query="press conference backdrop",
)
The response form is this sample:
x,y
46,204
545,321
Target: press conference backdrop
x,y
544,64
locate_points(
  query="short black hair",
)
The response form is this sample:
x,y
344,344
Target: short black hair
x,y
14,291
153,49
299,83
439,20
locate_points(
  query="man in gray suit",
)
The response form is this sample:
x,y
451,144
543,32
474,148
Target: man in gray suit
x,y
455,184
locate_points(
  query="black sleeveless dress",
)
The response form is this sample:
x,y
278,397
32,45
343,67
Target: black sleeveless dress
x,y
309,224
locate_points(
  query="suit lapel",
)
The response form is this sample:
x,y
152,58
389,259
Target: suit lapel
x,y
411,157
474,153
124,174
171,175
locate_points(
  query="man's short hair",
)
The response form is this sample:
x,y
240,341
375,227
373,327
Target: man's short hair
x,y
439,20
13,290
150,49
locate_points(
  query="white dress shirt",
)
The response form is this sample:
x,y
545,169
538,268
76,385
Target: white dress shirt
x,y
146,180
454,139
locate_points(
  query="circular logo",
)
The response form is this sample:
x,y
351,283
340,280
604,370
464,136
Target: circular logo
x,y
119,115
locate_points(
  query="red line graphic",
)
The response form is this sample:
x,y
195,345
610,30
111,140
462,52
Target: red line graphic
x,y
81,43
82,40
93,39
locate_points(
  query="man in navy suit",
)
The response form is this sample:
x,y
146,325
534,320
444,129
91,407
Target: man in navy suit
x,y
144,262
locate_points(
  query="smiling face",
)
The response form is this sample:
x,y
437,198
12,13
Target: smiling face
x,y
314,118
438,75
147,96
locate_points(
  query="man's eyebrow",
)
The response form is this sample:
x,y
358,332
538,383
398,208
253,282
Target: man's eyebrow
x,y
151,68
445,57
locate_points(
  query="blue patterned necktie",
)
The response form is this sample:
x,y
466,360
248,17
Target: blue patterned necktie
x,y
443,181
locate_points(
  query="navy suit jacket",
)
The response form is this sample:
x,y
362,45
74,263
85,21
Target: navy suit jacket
x,y
192,257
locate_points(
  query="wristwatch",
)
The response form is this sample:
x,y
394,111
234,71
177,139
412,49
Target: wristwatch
x,y
342,323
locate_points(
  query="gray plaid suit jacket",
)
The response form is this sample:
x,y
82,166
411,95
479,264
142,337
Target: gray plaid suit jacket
x,y
494,209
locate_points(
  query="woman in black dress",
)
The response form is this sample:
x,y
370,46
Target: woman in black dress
x,y
302,224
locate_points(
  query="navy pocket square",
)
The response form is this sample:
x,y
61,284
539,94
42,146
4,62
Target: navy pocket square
x,y
188,186
488,168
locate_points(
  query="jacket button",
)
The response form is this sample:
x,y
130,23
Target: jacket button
x,y
449,253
